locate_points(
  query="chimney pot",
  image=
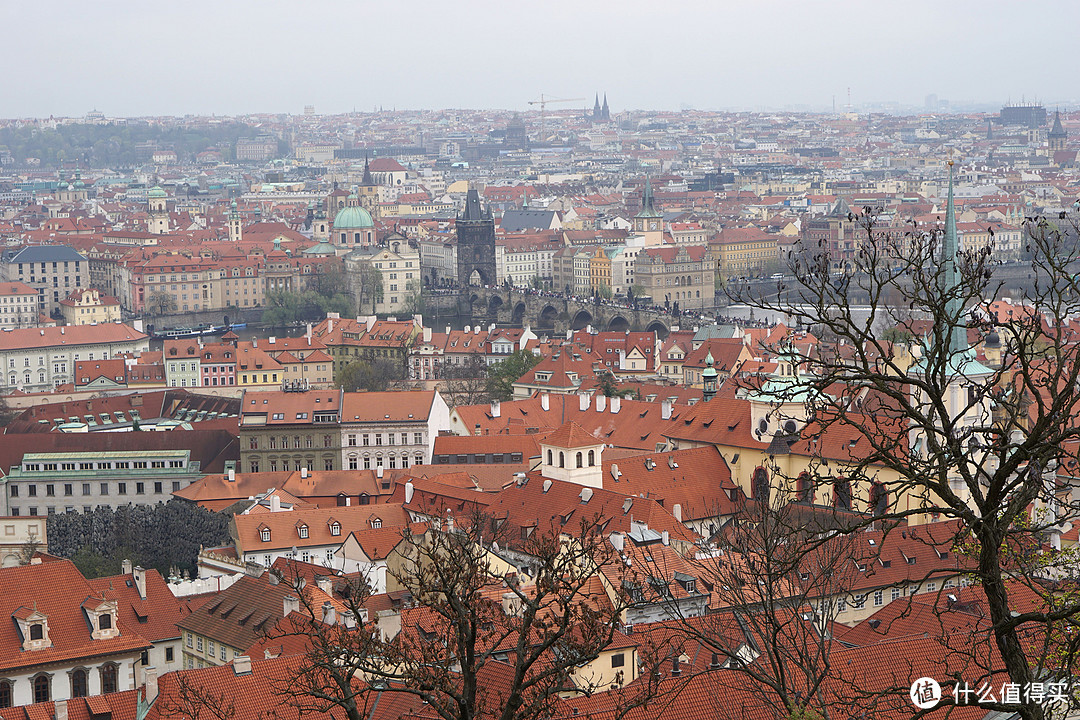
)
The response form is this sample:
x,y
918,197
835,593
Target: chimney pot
x,y
289,604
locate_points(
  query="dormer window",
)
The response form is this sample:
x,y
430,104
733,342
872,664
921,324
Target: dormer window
x,y
264,534
303,532
105,622
376,523
37,631
335,528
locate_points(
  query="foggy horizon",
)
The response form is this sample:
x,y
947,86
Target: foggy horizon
x,y
276,57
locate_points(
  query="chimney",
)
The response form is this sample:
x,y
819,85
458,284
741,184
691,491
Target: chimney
x,y
447,329
125,567
676,511
60,710
601,402
241,665
545,401
627,504
409,490
308,334
583,402
370,322
275,503
378,471
495,409
303,473
329,615
272,340
326,584
586,494
491,328
232,475
665,537
427,334
715,664
547,485
468,329
665,409
616,405
329,325
618,540
476,330
289,604
140,581
676,671
150,681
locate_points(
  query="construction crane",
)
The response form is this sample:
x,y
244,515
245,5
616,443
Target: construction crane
x,y
543,103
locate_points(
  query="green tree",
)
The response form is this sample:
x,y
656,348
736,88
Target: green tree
x,y
503,374
371,376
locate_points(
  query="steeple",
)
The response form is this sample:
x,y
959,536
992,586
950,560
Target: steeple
x,y
605,114
596,108
366,181
949,251
648,208
989,129
1057,134
708,378
474,212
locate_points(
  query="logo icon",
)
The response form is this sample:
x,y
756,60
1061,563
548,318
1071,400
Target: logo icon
x,y
925,693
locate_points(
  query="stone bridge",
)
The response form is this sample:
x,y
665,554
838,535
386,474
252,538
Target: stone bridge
x,y
549,313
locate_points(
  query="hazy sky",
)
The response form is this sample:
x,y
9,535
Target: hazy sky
x,y
236,56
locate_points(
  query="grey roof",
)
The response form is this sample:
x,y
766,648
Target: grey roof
x,y
44,253
716,332
516,220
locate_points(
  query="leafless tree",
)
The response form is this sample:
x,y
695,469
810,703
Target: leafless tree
x,y
475,637
939,433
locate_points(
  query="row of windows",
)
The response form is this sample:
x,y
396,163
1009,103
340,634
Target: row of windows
x,y
328,464
212,649
308,440
391,461
86,488
79,679
365,440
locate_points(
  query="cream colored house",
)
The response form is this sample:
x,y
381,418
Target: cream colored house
x,y
89,306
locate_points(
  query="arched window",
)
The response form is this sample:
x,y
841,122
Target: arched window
x,y
562,459
760,486
42,688
342,499
550,459
842,493
879,499
5,693
592,458
804,490
37,631
78,683
579,463
105,621
108,678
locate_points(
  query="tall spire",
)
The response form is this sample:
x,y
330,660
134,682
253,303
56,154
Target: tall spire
x,y
950,249
366,181
604,112
596,108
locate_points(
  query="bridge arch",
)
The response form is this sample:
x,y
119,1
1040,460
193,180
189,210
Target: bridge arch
x,y
495,302
659,328
581,319
618,324
548,316
519,312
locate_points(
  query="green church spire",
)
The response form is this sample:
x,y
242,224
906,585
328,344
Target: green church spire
x,y
950,252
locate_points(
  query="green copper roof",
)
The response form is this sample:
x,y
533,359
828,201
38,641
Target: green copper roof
x,y
353,217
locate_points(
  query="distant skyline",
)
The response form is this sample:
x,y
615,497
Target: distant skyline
x,y
66,58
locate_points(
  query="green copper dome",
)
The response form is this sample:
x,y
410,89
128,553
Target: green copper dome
x,y
156,192
353,217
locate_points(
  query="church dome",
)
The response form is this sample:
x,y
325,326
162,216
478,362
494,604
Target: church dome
x,y
156,192
353,217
